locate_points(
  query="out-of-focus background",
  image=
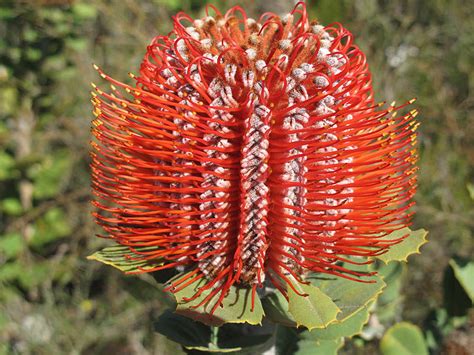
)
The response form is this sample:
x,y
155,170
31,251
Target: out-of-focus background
x,y
54,301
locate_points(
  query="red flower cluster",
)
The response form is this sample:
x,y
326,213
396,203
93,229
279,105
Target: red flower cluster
x,y
251,150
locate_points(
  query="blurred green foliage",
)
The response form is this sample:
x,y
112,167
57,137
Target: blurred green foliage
x,y
54,301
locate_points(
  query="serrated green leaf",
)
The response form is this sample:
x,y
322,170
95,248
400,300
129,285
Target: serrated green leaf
x,y
347,328
390,299
276,309
408,246
349,295
392,274
120,257
317,310
236,306
323,347
464,272
403,339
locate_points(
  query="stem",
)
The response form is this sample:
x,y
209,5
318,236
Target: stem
x,y
214,335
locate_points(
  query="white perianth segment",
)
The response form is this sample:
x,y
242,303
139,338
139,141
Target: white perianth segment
x,y
212,254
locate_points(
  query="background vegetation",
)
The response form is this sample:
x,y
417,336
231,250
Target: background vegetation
x,y
54,301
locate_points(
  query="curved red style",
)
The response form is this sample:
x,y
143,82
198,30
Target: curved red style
x,y
251,152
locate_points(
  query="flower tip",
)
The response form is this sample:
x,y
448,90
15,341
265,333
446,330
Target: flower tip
x,y
95,66
412,100
298,4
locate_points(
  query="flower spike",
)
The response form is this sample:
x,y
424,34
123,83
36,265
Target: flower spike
x,y
251,152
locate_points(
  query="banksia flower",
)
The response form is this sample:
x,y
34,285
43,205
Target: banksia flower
x,y
250,153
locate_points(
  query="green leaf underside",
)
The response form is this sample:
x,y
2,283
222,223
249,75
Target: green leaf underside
x,y
391,273
286,340
389,301
212,349
350,296
120,257
408,246
348,328
236,306
182,330
329,300
317,310
197,336
253,339
323,347
403,339
276,309
464,272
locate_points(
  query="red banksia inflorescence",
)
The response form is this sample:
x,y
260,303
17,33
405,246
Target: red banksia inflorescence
x,y
251,152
